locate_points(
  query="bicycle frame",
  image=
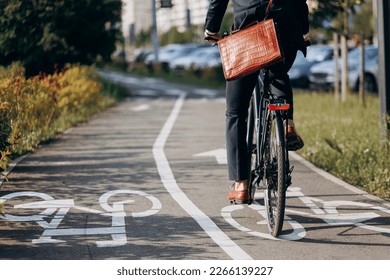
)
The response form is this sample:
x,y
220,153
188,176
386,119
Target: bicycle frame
x,y
262,97
267,119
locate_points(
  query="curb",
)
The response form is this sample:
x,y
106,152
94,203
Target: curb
x,y
336,180
11,167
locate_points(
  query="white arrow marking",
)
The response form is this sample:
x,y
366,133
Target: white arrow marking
x,y
219,154
141,108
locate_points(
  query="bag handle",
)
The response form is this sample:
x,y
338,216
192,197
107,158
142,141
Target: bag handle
x,y
256,22
270,2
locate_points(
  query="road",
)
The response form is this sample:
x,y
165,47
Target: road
x,y
147,179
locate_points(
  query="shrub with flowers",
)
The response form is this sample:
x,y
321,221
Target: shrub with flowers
x,y
36,109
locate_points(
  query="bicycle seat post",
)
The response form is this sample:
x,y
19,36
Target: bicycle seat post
x,y
266,79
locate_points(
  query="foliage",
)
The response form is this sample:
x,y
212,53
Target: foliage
x,y
345,140
45,35
364,21
328,17
143,38
36,109
327,10
177,37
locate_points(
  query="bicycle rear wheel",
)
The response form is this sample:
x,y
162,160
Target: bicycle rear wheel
x,y
275,173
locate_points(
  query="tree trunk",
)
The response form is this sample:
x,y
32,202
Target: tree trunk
x,y
336,68
361,74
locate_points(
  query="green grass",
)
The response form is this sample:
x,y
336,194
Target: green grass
x,y
344,139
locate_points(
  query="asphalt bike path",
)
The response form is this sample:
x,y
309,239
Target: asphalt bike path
x,y
147,179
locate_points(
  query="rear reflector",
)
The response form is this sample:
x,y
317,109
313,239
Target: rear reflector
x,y
278,107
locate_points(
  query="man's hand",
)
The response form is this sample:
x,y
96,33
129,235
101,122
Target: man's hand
x,y
307,40
212,37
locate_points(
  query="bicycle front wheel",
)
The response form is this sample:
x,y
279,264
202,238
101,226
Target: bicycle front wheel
x,y
275,173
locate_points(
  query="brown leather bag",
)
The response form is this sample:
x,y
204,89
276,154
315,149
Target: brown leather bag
x,y
250,49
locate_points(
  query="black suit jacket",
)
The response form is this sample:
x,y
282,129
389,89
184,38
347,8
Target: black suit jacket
x,y
292,17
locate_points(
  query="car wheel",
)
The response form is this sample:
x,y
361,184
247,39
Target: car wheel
x,y
370,83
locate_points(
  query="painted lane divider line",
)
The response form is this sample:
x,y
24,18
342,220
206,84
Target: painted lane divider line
x,y
170,184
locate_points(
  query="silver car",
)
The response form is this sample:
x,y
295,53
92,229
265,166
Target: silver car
x,y
300,71
322,74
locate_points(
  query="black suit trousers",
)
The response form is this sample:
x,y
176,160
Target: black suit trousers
x,y
238,94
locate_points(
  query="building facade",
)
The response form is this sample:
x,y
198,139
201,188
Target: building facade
x,y
183,14
137,15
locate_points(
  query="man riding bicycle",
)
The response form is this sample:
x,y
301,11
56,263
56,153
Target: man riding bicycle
x,y
292,20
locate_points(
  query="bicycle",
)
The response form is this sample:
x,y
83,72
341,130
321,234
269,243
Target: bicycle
x,y
267,151
267,148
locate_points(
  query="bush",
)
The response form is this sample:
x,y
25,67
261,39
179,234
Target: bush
x,y
36,109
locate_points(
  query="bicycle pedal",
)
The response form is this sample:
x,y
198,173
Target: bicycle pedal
x,y
289,182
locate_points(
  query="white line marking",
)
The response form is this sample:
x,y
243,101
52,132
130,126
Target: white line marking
x,y
58,203
38,217
84,231
219,154
298,231
336,180
169,182
140,108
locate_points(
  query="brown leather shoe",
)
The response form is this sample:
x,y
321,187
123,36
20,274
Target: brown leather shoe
x,y
238,196
294,141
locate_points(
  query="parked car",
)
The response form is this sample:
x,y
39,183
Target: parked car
x,y
164,54
371,69
171,52
322,74
210,59
141,54
300,71
200,58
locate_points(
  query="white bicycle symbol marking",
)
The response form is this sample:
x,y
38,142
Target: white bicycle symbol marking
x,y
329,213
116,211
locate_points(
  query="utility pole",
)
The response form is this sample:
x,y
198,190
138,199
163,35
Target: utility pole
x,y
383,11
344,53
362,63
155,41
188,15
375,9
336,67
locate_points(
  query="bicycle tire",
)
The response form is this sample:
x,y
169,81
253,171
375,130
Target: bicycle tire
x,y
251,141
275,173
32,217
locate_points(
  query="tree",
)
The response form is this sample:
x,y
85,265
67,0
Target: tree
x,y
363,21
332,12
45,35
327,11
